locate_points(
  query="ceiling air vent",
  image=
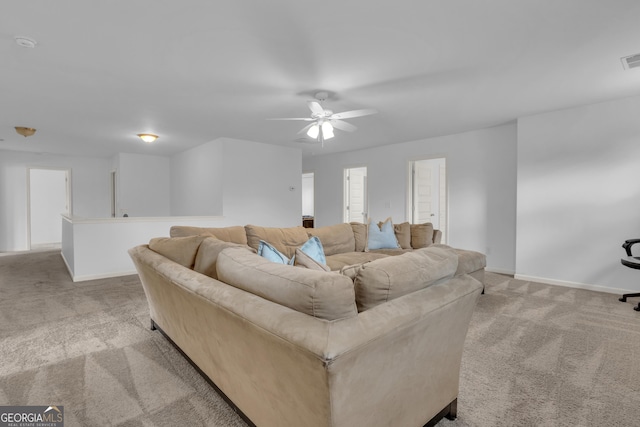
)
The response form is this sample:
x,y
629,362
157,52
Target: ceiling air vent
x,y
629,62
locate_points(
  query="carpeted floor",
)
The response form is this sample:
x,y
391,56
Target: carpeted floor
x,y
535,355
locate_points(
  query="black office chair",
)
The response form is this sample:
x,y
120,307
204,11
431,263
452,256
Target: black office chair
x,y
631,262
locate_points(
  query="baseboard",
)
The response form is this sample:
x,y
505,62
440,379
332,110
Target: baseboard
x,y
500,271
86,277
568,284
67,265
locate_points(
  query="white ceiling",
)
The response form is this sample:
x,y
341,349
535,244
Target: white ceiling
x,y
192,71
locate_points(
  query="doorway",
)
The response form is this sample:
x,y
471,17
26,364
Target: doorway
x,y
428,193
49,197
356,205
308,209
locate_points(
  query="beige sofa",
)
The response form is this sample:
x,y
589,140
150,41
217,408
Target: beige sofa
x,y
380,345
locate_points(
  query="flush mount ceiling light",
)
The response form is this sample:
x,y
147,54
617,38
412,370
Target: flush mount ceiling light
x,y
148,137
25,131
25,42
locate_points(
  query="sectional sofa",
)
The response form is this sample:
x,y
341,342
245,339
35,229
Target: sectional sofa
x,y
376,341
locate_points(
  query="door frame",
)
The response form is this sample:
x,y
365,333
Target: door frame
x,y
409,192
69,200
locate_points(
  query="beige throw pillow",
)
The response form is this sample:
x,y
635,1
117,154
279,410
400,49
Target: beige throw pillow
x,y
208,252
360,234
178,249
304,260
421,235
403,234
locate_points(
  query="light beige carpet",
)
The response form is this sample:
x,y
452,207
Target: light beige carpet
x,y
535,355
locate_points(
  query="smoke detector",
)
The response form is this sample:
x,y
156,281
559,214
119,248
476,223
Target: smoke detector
x,y
25,42
629,62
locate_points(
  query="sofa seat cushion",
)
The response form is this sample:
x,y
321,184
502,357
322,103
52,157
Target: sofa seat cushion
x,y
468,261
321,294
337,261
336,239
286,240
178,249
208,252
391,252
235,234
385,279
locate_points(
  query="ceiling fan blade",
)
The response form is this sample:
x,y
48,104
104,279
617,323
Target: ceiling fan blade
x,y
339,124
353,113
315,107
306,128
306,119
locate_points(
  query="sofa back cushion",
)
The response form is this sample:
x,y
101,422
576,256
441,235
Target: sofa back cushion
x,y
178,249
207,255
388,278
320,294
286,240
421,235
335,239
235,234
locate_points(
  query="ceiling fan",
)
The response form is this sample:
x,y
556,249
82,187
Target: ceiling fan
x,y
324,121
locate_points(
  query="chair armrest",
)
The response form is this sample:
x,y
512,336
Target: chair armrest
x,y
628,243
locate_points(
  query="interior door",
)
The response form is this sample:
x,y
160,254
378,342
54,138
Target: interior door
x,y
428,193
356,205
425,200
48,199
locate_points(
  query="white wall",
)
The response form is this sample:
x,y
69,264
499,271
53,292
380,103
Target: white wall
x,y
481,176
144,185
196,180
579,194
257,182
89,188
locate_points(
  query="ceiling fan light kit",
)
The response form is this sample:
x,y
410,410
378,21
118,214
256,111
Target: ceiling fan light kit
x,y
325,121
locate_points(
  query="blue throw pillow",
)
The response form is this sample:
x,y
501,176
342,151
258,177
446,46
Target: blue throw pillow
x,y
272,254
383,237
313,248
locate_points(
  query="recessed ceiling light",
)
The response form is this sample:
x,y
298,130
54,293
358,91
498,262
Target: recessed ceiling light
x,y
25,42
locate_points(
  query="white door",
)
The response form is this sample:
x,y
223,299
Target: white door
x,y
424,203
48,199
355,195
307,194
428,193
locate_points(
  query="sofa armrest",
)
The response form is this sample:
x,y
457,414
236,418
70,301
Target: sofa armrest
x,y
437,236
